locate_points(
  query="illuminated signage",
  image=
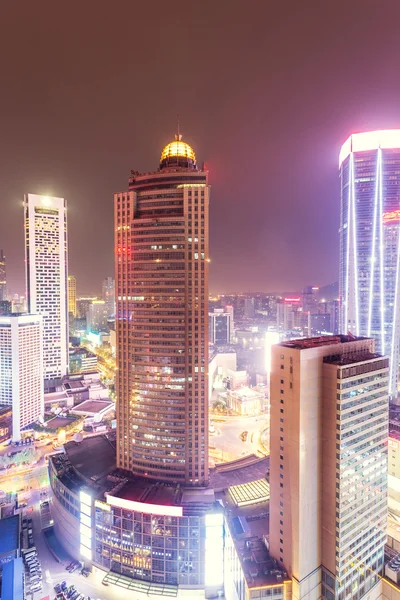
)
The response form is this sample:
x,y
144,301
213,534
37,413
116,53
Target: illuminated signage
x,y
297,299
370,140
153,509
392,216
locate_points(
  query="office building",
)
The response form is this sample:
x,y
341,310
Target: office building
x,y
369,166
249,308
161,274
108,295
220,327
328,469
82,307
5,307
21,369
46,278
3,277
72,295
97,317
290,318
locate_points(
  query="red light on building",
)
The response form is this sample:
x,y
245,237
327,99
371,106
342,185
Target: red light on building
x,y
292,299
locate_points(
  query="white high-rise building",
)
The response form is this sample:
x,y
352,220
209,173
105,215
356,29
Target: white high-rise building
x,y
328,466
21,369
46,277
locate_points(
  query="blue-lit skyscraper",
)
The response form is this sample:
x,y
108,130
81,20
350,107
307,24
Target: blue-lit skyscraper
x,y
369,166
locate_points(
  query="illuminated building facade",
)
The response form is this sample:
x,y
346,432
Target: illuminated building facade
x,y
72,295
46,277
161,273
3,277
21,369
328,465
97,316
370,241
220,327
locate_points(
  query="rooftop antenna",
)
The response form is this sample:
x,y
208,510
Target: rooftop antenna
x,y
178,135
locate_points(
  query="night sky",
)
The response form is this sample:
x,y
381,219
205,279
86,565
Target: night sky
x,y
267,91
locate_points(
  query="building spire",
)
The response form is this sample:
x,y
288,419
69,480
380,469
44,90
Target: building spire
x,y
178,136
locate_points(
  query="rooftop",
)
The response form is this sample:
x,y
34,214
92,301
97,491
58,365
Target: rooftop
x,y
343,360
323,340
9,534
92,406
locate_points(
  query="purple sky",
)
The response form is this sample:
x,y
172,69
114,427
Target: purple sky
x,y
266,91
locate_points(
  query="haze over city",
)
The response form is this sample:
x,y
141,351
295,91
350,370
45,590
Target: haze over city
x,y
266,94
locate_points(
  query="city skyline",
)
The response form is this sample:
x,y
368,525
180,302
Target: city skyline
x,y
270,143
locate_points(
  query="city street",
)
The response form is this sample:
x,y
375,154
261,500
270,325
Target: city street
x,y
226,441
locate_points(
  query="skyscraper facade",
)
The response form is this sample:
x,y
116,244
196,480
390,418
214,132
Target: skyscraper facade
x,y
220,327
369,281
21,369
46,277
161,273
3,277
328,465
72,295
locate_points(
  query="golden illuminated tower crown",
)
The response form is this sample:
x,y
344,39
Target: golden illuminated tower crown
x,y
178,154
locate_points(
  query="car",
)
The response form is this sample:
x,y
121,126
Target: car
x,y
71,564
85,572
63,585
74,567
74,595
37,587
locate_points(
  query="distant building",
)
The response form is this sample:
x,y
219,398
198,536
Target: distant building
x,y
3,277
82,360
5,423
21,369
97,317
5,307
320,323
335,315
108,295
220,327
290,316
72,295
328,465
46,277
245,401
82,306
249,308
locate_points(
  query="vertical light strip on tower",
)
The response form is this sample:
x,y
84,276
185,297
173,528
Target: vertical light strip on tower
x,y
347,293
373,257
381,249
394,355
354,224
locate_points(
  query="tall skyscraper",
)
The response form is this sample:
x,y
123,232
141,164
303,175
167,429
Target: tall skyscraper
x,y
369,280
109,295
3,277
161,273
21,369
46,277
328,465
97,316
72,295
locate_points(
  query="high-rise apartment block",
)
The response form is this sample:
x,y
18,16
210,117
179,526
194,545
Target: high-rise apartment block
x,y
370,241
328,469
109,296
72,295
21,369
46,277
3,277
220,327
97,316
161,273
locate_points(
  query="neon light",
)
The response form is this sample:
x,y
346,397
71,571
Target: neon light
x,y
150,509
354,222
394,360
372,275
392,216
292,299
370,140
381,252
